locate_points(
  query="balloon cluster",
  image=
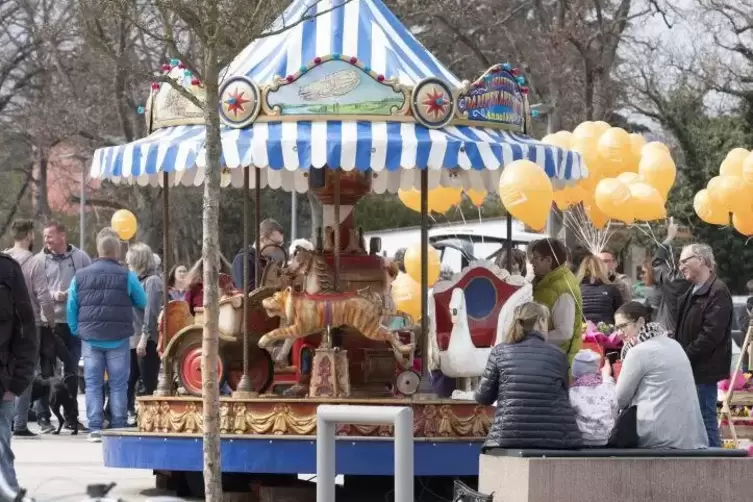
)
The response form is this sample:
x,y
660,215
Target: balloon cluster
x,y
628,179
731,192
406,289
441,199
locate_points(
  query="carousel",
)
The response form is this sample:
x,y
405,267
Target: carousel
x,y
344,104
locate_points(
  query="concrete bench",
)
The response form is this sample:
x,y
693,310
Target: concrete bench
x,y
620,475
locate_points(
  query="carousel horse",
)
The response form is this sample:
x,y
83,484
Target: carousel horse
x,y
305,315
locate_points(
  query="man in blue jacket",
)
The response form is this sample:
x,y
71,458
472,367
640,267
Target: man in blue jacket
x,y
101,300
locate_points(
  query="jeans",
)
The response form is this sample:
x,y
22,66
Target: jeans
x,y
117,363
22,402
707,398
146,368
7,470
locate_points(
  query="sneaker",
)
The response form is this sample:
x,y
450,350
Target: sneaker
x,y
132,419
95,437
23,433
45,426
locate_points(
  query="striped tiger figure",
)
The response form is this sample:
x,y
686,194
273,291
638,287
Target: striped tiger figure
x,y
306,315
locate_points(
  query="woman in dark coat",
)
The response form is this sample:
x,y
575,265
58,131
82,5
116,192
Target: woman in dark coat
x,y
600,298
529,378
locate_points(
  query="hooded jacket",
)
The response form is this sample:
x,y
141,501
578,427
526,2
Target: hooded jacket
x,y
60,270
36,283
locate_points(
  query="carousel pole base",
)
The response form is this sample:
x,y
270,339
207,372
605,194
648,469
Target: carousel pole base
x,y
163,384
244,390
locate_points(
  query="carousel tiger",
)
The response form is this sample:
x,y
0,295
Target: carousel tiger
x,y
305,315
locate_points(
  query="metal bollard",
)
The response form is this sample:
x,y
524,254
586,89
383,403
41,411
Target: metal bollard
x,y
327,418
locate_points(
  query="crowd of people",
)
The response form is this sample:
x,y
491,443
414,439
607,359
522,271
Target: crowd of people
x,y
676,347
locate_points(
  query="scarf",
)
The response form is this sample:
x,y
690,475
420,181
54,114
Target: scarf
x,y
650,330
590,380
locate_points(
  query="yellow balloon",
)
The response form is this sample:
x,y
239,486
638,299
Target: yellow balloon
x,y
598,219
411,198
636,145
615,150
655,146
747,170
412,261
728,193
587,149
732,165
658,169
561,139
124,223
406,293
526,192
743,223
630,177
441,199
648,204
602,126
589,131
477,197
613,198
568,196
707,212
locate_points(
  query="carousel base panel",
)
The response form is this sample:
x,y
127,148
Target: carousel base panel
x,y
432,418
286,455
624,475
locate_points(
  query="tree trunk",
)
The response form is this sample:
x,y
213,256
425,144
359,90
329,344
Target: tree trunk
x,y
316,215
41,201
211,256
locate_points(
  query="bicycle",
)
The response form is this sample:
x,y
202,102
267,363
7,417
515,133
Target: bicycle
x,y
94,493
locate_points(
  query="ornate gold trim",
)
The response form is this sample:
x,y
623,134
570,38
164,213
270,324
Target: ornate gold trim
x,y
274,416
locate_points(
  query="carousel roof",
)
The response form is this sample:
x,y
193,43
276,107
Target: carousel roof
x,y
395,146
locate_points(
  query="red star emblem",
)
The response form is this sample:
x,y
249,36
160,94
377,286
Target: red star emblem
x,y
436,104
236,101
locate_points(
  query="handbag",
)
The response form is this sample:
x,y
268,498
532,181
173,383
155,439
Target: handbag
x,y
625,431
464,493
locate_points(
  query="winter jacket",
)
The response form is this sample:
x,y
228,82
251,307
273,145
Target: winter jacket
x,y
101,300
145,320
672,285
19,343
36,283
704,329
600,301
594,400
60,270
238,268
529,380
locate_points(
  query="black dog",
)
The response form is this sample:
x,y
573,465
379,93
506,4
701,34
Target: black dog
x,y
62,396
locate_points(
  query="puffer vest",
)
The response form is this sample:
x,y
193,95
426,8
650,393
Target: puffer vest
x,y
105,310
558,282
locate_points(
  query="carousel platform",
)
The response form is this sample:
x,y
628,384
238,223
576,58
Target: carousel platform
x,y
278,436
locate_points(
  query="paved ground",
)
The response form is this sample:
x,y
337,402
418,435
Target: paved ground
x,y
60,467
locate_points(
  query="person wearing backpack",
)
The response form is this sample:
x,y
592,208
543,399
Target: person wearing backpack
x,y
41,302
19,352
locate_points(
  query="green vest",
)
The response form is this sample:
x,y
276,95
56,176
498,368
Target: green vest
x,y
556,283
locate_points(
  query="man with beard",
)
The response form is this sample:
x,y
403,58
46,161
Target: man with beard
x,y
41,303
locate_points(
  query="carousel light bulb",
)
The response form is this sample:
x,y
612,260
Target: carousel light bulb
x,y
174,62
140,110
507,67
317,60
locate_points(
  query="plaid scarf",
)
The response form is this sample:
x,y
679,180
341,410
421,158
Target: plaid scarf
x,y
650,330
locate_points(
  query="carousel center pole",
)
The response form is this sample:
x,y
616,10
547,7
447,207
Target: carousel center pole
x,y
508,244
244,389
337,230
164,384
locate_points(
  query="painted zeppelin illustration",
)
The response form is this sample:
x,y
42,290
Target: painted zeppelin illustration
x,y
335,88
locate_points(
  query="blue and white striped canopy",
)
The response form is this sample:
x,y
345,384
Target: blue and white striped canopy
x,y
395,151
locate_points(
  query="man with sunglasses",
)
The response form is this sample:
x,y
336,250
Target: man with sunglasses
x,y
704,329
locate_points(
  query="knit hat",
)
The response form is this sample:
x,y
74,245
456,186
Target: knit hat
x,y
586,362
